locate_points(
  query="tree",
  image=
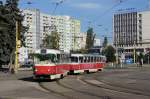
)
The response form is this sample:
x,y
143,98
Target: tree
x,y
83,51
90,38
55,40
9,13
51,41
46,41
105,42
110,54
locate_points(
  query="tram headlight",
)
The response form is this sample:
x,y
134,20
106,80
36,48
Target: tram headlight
x,y
48,70
35,70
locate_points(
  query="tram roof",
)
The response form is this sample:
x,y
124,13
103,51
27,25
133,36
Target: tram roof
x,y
86,55
48,51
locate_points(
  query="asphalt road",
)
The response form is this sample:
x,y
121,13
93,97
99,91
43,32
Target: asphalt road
x,y
112,83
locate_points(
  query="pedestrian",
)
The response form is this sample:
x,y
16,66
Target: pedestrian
x,y
140,60
118,62
121,62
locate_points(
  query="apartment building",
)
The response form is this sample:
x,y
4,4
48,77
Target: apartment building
x,y
23,55
75,29
131,31
41,24
32,21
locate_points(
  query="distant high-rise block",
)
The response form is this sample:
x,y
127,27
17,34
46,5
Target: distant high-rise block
x,y
131,30
41,24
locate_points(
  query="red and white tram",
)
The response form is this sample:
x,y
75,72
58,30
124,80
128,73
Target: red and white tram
x,y
53,64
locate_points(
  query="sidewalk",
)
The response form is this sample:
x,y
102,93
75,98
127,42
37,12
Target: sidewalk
x,y
21,74
124,66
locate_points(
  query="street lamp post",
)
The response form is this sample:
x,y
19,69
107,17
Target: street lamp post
x,y
134,55
117,53
134,52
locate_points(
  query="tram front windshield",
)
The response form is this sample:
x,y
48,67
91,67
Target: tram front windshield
x,y
44,58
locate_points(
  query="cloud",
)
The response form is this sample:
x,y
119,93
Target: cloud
x,y
87,5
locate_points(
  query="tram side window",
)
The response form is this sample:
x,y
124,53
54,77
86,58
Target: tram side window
x,y
100,59
81,59
74,59
63,59
97,59
58,58
85,58
91,59
94,59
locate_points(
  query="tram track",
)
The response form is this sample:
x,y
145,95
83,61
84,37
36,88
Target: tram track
x,y
103,85
56,92
66,96
83,92
106,85
132,90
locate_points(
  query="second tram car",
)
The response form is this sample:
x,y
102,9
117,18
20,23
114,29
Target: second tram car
x,y
53,64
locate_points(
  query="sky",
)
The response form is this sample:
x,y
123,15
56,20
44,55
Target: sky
x,y
95,13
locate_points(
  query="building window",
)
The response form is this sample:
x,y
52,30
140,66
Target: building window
x,y
140,38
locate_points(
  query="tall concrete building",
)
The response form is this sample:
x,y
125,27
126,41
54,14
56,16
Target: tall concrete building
x,y
41,24
32,20
23,55
131,31
76,35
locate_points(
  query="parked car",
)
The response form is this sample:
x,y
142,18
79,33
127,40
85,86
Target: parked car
x,y
28,65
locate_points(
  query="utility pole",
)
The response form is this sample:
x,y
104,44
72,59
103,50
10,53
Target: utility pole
x,y
17,45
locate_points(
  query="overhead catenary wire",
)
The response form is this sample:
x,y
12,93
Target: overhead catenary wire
x,y
108,10
56,5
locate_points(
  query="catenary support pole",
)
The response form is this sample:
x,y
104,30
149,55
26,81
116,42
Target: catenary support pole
x,y
16,52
